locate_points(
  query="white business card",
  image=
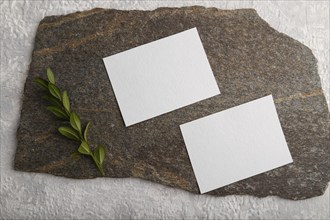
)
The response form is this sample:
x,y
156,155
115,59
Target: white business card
x,y
235,144
161,76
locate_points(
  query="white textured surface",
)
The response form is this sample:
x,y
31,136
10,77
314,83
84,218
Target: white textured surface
x,y
41,196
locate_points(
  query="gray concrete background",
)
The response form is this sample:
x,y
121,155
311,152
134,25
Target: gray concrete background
x,y
42,196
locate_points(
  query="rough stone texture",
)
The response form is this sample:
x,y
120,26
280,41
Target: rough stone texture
x,y
249,60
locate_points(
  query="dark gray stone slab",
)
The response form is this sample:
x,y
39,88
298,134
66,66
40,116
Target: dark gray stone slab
x,y
249,59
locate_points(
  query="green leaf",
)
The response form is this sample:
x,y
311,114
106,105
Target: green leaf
x,y
58,112
75,154
99,154
75,121
41,82
50,75
69,133
55,91
66,102
52,100
85,132
84,148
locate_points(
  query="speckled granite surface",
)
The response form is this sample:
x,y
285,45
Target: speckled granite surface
x,y
249,60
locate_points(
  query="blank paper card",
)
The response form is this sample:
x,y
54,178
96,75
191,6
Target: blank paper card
x,y
235,144
161,76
